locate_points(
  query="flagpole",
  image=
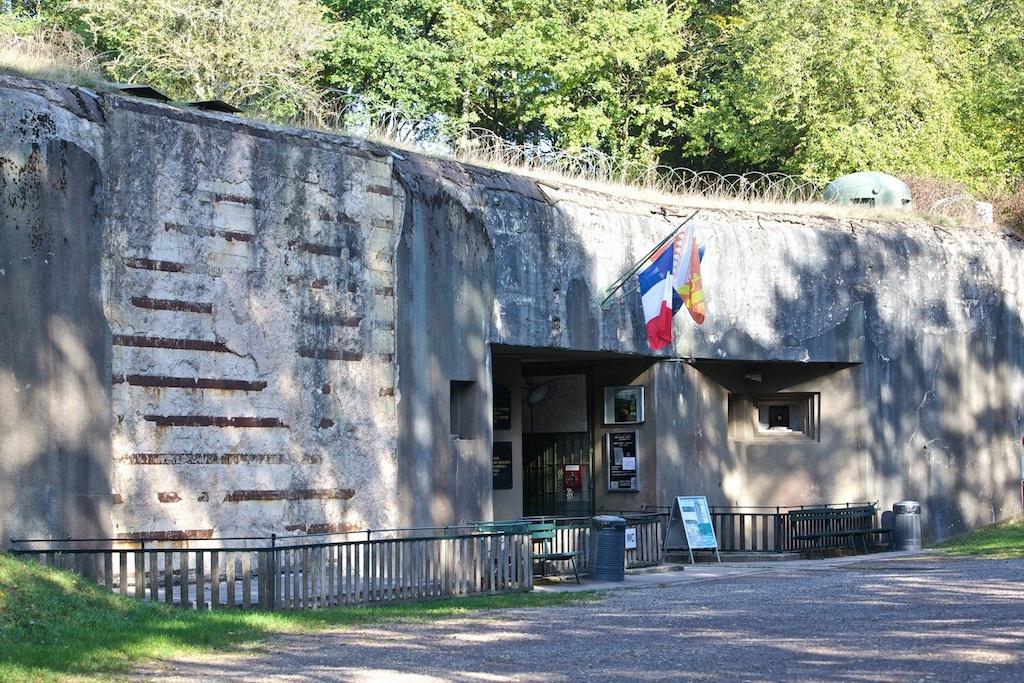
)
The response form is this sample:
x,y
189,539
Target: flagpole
x,y
636,285
617,285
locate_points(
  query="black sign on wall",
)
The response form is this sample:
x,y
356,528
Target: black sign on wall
x,y
621,451
502,407
501,465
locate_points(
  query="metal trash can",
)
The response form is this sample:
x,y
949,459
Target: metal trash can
x,y
607,560
907,515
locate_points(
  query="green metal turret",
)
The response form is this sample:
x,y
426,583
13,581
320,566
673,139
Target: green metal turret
x,y
868,188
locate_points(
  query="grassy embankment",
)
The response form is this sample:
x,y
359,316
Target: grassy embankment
x,y
55,624
999,541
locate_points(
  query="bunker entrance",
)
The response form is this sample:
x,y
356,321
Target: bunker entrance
x,y
558,461
543,434
551,431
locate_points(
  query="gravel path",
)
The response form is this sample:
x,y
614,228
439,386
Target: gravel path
x,y
907,620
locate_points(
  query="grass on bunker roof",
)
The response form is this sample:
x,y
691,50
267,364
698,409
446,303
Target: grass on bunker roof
x,y
998,541
55,624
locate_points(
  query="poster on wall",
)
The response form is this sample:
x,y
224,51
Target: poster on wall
x,y
621,451
502,407
623,405
501,465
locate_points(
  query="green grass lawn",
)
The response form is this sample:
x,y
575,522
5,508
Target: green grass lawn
x,y
54,623
999,541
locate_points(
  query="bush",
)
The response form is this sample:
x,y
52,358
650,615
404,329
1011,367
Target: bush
x,y
261,56
1010,210
37,48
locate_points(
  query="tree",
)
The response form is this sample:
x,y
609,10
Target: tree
x,y
822,87
603,73
263,56
993,99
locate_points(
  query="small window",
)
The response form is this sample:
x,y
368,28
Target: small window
x,y
786,415
778,417
463,408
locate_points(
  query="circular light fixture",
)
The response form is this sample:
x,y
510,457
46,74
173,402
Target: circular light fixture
x,y
541,393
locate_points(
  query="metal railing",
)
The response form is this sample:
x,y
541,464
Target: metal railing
x,y
572,534
766,529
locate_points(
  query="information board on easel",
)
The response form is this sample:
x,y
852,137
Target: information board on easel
x,y
689,523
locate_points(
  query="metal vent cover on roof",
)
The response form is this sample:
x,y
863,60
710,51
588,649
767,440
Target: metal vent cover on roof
x,y
145,91
215,105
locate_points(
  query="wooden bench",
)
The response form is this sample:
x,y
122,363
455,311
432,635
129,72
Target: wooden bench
x,y
850,523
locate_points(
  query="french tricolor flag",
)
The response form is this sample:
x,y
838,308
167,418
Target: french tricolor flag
x,y
657,289
671,280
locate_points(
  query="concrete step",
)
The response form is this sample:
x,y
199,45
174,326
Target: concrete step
x,y
704,556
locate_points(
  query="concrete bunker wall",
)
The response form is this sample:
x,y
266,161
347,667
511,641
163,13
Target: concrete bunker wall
x,y
216,352
224,327
910,335
55,460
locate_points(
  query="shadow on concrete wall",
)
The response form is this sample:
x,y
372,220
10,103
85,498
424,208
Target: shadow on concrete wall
x,y
54,346
940,384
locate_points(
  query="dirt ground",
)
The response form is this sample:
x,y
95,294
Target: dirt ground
x,y
910,619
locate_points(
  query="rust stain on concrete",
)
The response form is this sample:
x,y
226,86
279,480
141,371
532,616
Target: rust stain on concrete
x,y
330,354
140,341
171,305
213,421
191,382
153,264
288,494
184,535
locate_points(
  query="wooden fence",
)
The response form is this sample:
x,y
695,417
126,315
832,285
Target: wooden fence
x,y
572,534
307,575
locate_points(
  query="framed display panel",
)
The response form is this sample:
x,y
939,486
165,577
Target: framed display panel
x,y
501,465
623,405
622,459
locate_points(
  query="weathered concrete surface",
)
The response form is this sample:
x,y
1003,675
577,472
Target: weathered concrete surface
x,y
272,256
278,315
911,334
235,318
54,344
909,620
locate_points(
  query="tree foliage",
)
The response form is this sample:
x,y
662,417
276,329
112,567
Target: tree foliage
x,y
261,55
823,87
610,74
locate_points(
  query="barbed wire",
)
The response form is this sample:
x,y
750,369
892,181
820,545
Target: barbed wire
x,y
437,134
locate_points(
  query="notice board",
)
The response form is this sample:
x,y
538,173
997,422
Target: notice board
x,y
690,521
502,413
501,465
622,456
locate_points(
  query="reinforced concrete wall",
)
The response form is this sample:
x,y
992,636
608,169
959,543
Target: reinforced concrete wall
x,y
55,457
212,326
210,348
910,334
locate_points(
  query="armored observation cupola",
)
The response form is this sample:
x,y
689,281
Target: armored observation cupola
x,y
868,188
